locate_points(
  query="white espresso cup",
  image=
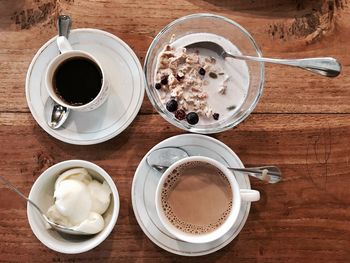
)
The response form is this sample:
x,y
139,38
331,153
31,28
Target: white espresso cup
x,y
68,53
238,196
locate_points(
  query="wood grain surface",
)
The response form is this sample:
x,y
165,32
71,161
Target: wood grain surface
x,y
302,124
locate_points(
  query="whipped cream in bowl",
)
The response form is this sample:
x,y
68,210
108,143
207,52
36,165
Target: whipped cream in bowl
x,y
76,194
196,89
80,201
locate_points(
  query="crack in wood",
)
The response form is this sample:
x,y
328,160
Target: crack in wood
x,y
41,11
322,149
43,161
312,25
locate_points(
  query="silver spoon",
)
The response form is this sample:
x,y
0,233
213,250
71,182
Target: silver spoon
x,y
325,66
55,226
60,113
160,159
57,114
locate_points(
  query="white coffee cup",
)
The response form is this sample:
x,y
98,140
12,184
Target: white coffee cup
x,y
238,196
67,53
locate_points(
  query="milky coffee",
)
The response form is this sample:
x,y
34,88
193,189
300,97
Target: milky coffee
x,y
196,197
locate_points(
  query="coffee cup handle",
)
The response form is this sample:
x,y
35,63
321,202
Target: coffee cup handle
x,y
249,195
63,44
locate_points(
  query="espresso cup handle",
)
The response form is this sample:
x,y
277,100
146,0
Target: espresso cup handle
x,y
63,44
249,195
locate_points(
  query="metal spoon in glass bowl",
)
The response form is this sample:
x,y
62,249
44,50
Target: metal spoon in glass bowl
x,y
59,113
160,159
63,229
325,66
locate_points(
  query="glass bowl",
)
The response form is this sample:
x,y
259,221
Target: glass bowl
x,y
221,26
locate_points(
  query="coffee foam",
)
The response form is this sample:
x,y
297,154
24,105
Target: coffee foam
x,y
168,186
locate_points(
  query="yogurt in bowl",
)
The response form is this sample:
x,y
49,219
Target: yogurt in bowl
x,y
195,89
43,194
80,201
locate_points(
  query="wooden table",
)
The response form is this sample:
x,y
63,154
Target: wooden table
x,y
302,125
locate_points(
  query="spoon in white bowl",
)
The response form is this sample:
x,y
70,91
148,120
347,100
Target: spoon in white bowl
x,y
325,66
59,228
59,113
160,159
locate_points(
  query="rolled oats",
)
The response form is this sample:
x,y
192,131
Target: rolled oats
x,y
185,73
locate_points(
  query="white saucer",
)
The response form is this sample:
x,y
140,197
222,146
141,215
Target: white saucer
x,y
124,74
145,183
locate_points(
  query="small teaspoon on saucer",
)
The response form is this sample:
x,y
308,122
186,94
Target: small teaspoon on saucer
x,y
160,159
59,113
56,113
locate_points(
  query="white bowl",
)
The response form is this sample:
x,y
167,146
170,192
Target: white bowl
x,y
42,194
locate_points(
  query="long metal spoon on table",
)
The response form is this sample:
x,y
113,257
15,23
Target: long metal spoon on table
x,y
160,159
59,113
55,226
325,66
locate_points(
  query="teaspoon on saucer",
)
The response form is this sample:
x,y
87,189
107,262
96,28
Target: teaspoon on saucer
x,y
162,158
63,229
59,113
56,113
325,66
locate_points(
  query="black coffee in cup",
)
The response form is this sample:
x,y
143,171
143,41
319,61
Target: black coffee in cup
x,y
77,80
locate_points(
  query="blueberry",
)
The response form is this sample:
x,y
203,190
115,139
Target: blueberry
x,y
171,105
180,77
164,80
180,114
158,86
216,116
201,71
192,118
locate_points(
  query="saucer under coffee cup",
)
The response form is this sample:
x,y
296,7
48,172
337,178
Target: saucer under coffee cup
x,y
76,79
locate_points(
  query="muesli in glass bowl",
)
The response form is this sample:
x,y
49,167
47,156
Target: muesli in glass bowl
x,y
195,88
